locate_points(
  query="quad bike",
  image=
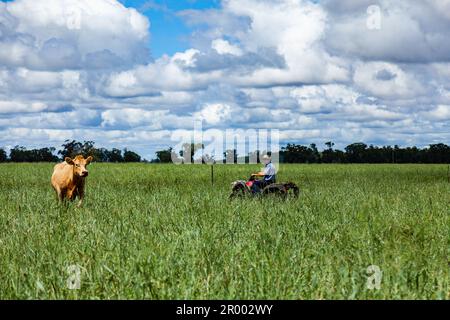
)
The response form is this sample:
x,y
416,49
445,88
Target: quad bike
x,y
284,190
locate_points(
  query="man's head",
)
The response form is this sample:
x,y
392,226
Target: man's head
x,y
79,165
266,159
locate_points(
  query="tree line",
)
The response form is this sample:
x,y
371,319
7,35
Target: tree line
x,y
70,148
362,153
353,153
291,153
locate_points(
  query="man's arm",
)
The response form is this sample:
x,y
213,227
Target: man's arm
x,y
259,174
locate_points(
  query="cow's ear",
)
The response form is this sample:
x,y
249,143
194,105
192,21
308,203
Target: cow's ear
x,y
69,161
89,160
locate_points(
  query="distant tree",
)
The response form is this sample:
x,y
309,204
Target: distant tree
x,y
70,148
130,156
408,155
100,154
46,155
3,155
315,155
17,154
330,145
332,156
21,154
88,149
115,155
163,156
339,156
438,153
73,148
356,152
374,154
293,153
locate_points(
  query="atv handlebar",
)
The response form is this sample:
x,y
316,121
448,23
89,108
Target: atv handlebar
x,y
254,177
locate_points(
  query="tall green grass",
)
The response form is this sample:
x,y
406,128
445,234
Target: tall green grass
x,y
163,232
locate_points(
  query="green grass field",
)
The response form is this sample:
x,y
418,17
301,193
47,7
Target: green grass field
x,y
162,232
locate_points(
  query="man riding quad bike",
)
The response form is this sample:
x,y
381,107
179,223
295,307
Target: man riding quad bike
x,y
264,183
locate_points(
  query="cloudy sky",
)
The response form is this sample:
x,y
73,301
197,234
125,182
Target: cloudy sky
x,y
129,73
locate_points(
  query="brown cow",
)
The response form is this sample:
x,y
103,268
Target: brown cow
x,y
69,178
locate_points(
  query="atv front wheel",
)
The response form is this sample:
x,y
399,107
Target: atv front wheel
x,y
238,193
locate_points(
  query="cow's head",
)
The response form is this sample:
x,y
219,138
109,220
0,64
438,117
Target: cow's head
x,y
79,165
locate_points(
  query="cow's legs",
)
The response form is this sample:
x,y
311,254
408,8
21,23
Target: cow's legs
x,y
80,192
59,194
71,194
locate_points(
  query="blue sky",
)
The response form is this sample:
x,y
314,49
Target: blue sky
x,y
138,74
169,33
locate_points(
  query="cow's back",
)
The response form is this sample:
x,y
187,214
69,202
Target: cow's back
x,y
62,175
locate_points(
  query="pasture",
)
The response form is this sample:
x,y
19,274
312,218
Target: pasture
x,y
163,232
